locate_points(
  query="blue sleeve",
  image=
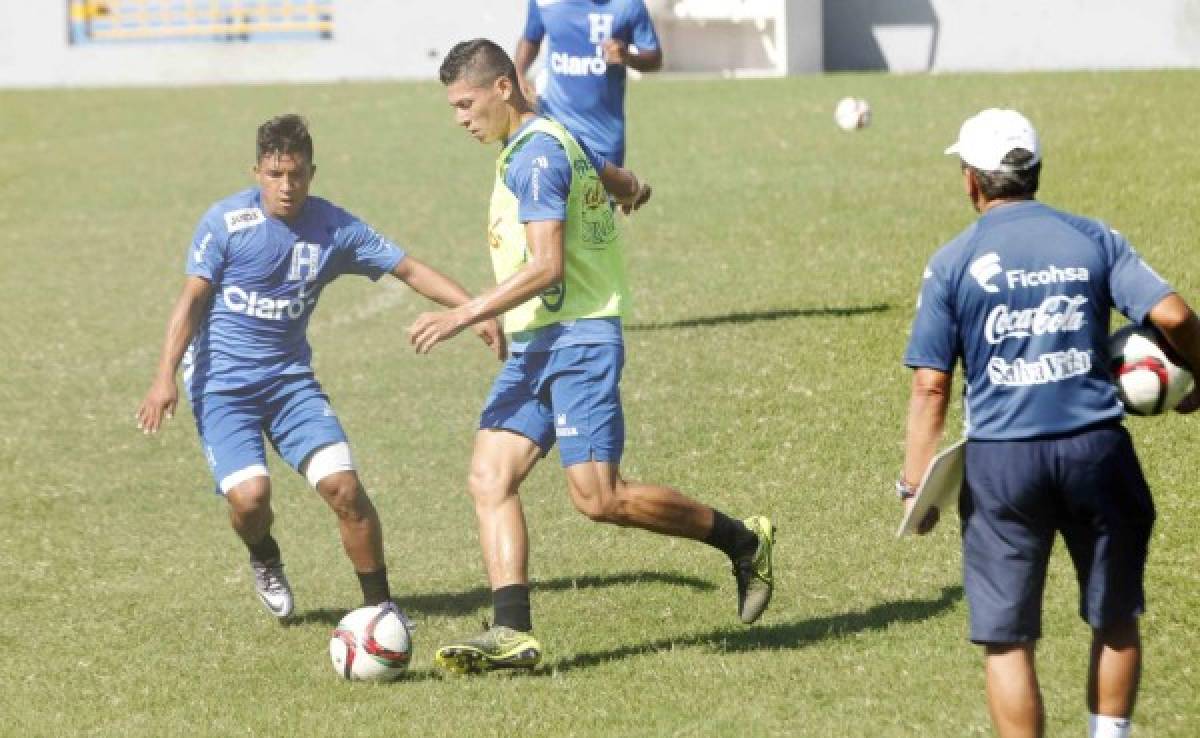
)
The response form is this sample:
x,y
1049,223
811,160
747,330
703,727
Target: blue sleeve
x,y
1134,286
540,176
933,343
643,35
534,28
206,254
364,250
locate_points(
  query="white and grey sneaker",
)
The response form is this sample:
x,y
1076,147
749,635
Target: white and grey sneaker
x,y
272,587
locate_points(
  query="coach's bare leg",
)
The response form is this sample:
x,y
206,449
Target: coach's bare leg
x,y
250,511
600,493
1115,669
499,463
1014,700
358,521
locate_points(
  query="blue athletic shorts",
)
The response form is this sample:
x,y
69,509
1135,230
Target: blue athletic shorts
x,y
569,394
292,411
1087,486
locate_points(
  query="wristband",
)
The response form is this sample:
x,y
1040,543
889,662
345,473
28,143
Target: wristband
x,y
904,490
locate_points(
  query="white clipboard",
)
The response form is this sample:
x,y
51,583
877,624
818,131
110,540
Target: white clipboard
x,y
939,488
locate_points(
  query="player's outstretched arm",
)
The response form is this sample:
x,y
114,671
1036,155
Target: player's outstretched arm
x,y
928,400
543,270
432,284
1179,324
629,192
163,395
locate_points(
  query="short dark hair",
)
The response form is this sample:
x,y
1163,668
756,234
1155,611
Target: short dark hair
x,y
1016,178
284,134
479,61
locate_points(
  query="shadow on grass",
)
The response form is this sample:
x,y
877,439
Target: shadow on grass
x,y
753,317
778,636
461,603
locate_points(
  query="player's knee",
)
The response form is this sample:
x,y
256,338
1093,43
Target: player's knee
x,y
601,513
487,485
250,496
345,495
599,505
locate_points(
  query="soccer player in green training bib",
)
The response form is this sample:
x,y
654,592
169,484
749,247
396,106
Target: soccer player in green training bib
x,y
562,289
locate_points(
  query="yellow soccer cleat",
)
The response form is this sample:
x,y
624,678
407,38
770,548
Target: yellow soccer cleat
x,y
498,647
755,574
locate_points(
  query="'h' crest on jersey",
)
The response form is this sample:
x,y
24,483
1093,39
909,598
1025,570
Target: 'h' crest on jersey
x,y
307,257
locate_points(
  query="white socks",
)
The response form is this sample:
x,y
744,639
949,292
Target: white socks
x,y
1103,726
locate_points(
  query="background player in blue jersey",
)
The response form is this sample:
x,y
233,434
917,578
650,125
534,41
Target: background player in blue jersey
x,y
589,45
561,285
255,270
1023,299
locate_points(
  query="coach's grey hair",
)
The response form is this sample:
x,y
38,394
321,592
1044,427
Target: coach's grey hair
x,y
1017,178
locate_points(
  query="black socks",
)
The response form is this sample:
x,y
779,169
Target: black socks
x,y
374,586
265,551
731,536
510,607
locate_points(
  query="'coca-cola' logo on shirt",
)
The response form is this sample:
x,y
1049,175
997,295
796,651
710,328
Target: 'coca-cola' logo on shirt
x,y
1058,314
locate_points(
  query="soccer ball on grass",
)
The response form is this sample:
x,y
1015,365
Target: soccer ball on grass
x,y
852,113
371,644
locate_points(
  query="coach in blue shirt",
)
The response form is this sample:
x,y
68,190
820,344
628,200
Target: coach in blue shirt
x,y
1023,299
591,42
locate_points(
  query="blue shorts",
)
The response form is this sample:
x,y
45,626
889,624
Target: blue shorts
x,y
569,394
292,411
1088,486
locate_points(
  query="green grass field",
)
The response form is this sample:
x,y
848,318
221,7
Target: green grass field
x,y
774,273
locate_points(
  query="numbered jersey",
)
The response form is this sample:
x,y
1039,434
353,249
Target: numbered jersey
x,y
1024,298
267,275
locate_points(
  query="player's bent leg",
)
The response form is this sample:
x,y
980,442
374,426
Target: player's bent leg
x,y
331,472
1014,699
250,513
599,492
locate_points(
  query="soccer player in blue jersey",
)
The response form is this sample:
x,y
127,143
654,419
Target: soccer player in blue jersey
x,y
1023,299
562,288
590,44
255,270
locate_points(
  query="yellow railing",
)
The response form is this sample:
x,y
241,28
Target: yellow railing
x,y
128,20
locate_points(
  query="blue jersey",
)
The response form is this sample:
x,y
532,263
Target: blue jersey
x,y
584,93
1024,298
267,275
539,174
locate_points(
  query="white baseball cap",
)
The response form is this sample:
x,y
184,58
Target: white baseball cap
x,y
987,137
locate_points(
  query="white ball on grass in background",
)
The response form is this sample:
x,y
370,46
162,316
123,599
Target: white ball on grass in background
x,y
1150,377
852,113
371,644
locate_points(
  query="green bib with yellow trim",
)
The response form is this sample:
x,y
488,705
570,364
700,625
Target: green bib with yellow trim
x,y
594,283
